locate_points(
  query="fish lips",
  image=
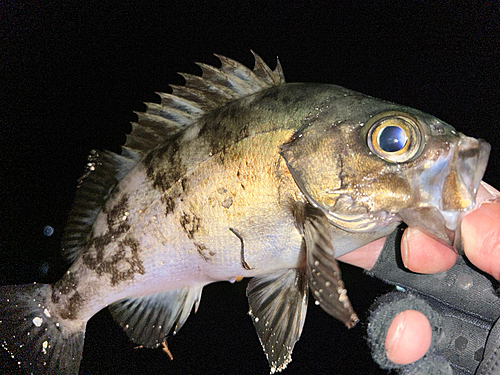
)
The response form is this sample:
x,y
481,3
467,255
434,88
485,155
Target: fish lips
x,y
448,190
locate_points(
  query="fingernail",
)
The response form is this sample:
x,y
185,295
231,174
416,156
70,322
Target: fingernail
x,y
490,189
486,207
408,338
405,251
395,336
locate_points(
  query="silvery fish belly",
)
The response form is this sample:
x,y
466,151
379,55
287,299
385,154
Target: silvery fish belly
x,y
239,174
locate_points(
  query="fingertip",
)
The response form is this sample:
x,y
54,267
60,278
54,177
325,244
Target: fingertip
x,y
408,338
423,254
481,237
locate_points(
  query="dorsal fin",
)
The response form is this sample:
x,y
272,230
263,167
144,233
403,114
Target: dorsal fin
x,y
199,95
104,170
161,122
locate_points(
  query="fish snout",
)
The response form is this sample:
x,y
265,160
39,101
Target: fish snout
x,y
448,190
464,174
471,160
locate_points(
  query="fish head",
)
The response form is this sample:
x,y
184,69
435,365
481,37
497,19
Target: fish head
x,y
368,164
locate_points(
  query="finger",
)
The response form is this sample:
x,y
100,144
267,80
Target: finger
x,y
486,192
408,337
481,232
423,254
366,256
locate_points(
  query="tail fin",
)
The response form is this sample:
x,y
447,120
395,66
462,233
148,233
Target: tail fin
x,y
36,339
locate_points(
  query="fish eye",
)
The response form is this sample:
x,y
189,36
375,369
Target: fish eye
x,y
394,136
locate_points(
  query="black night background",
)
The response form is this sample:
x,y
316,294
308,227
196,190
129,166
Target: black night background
x,y
73,72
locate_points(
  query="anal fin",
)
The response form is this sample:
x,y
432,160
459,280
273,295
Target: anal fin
x,y
278,306
148,320
323,272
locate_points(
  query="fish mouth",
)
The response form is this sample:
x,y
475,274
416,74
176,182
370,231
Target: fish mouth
x,y
447,190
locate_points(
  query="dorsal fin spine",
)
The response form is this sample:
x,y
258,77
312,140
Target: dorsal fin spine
x,y
173,101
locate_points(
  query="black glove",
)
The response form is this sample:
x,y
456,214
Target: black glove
x,y
461,304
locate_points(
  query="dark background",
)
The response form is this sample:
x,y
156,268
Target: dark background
x,y
73,72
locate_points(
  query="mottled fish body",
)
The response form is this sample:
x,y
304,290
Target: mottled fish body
x,y
237,174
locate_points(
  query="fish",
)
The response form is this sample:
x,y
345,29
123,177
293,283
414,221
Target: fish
x,y
238,174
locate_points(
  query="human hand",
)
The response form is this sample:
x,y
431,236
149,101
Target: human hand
x,y
409,335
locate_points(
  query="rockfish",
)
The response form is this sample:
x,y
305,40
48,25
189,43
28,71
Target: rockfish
x,y
239,174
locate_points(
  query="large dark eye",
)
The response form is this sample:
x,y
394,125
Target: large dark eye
x,y
394,136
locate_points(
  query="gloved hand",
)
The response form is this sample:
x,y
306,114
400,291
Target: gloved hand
x,y
461,306
481,236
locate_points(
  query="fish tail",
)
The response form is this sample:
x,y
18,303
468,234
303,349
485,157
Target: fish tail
x,y
37,339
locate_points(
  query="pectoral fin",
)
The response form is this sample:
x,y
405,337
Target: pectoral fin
x,y
278,306
323,272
